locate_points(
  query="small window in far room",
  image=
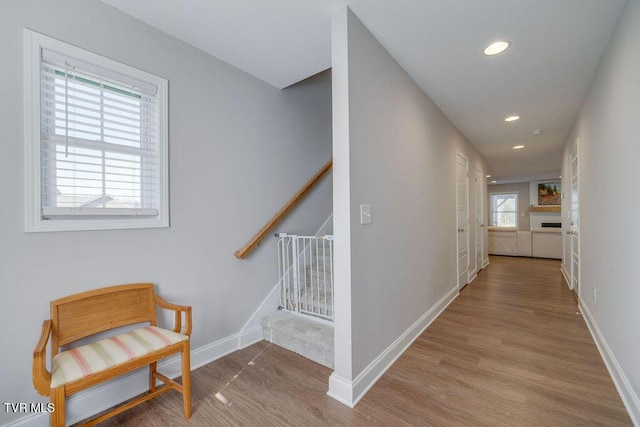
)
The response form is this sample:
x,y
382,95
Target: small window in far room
x,y
504,209
95,141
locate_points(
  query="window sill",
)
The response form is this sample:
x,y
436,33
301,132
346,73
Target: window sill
x,y
90,224
495,228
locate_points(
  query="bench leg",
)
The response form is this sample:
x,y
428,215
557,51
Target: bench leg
x,y
152,380
186,380
58,415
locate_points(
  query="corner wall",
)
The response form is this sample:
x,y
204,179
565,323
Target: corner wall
x,y
239,149
396,151
609,130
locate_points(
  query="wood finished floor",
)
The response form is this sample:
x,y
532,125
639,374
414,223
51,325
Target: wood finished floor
x,y
510,350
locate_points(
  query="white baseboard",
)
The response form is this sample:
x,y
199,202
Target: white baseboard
x,y
249,337
267,306
97,399
629,397
350,392
485,263
341,389
565,274
474,274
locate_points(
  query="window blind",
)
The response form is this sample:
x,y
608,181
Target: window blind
x,y
99,141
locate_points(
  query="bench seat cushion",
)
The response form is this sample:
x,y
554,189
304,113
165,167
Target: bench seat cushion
x,y
82,361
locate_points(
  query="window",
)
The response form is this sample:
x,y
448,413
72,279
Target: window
x,y
504,209
96,141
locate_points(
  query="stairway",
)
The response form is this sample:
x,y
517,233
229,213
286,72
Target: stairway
x,y
316,290
304,322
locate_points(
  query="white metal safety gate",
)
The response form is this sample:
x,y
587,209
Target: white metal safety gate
x,y
305,266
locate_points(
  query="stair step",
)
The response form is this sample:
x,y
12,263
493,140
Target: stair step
x,y
324,273
315,283
308,338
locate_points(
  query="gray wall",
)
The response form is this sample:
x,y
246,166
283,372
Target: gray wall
x,y
609,130
523,201
395,150
239,149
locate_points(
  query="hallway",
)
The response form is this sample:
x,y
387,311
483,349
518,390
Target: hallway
x,y
510,350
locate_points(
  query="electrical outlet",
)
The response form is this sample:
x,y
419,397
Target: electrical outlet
x,y
594,294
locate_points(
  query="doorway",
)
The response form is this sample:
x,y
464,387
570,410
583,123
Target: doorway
x,y
462,200
479,184
574,224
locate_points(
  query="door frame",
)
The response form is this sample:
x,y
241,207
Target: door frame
x,y
574,229
479,214
459,154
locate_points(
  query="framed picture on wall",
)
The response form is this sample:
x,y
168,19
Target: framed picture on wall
x,y
549,194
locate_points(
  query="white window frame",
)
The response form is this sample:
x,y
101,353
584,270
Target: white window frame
x,y
124,219
491,211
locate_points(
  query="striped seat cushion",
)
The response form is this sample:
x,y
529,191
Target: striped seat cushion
x,y
101,355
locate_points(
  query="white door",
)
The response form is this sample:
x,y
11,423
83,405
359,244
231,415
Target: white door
x,y
462,182
479,220
574,227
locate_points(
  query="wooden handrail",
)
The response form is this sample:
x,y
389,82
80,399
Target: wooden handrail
x,y
264,231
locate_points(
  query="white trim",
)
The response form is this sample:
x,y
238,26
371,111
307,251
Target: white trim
x,y
472,278
468,244
625,389
566,275
350,392
517,211
341,389
267,306
33,217
31,124
480,226
485,263
472,275
71,212
34,223
250,337
31,420
579,273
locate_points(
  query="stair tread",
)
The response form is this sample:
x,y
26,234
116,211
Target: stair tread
x,y
311,339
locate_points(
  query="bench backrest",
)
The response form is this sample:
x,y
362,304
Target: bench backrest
x,y
87,313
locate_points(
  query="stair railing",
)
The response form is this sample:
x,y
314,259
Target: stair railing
x,y
305,265
282,213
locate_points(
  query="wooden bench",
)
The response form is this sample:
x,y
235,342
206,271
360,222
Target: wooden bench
x,y
77,368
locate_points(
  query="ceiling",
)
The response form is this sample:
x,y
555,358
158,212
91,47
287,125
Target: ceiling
x,y
543,77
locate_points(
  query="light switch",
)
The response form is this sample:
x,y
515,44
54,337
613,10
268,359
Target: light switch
x,y
365,214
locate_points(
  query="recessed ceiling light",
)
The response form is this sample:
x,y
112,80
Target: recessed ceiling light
x,y
517,147
488,176
536,132
496,48
493,182
512,118
560,176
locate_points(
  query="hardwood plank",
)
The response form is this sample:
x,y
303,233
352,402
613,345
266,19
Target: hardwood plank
x,y
510,350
